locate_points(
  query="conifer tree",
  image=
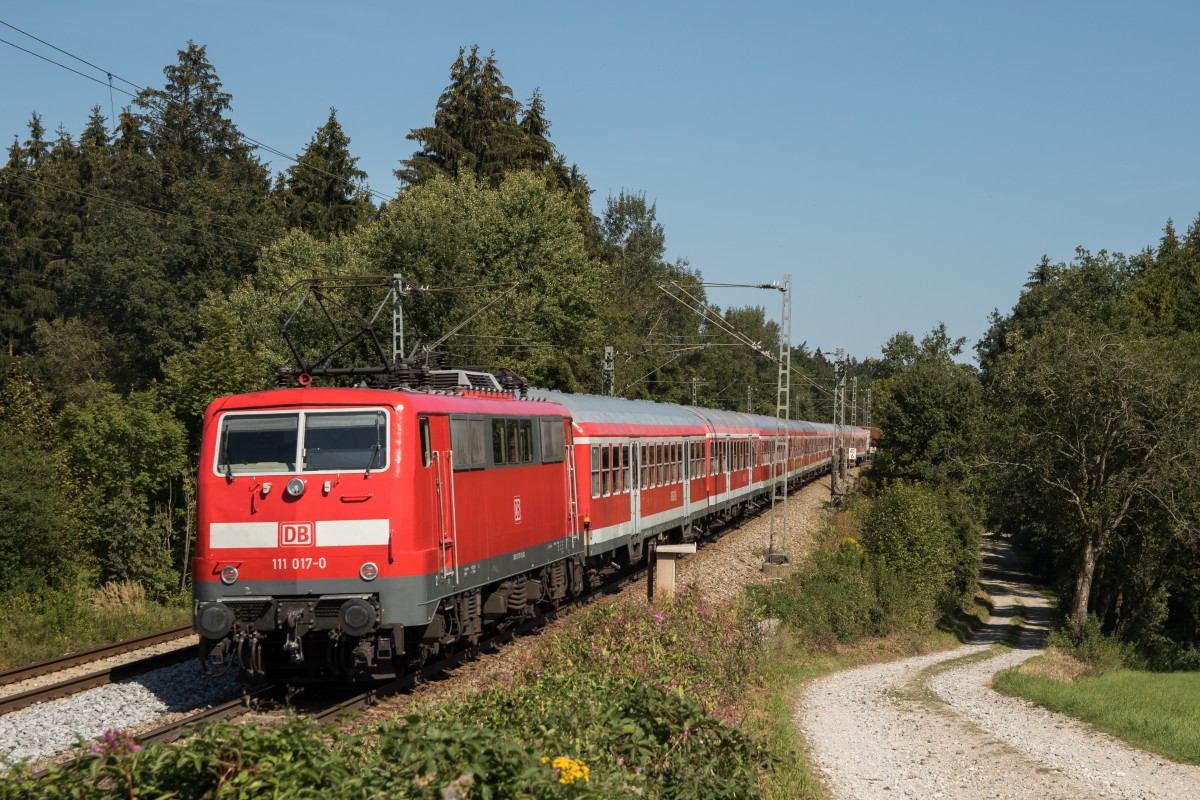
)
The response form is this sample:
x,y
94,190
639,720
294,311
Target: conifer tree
x,y
26,239
324,192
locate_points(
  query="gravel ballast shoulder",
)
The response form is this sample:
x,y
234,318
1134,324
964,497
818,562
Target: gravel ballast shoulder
x,y
49,728
932,727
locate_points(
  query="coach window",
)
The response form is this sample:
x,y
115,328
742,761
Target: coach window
x,y
468,442
525,439
644,466
625,468
498,442
553,444
595,470
605,472
618,474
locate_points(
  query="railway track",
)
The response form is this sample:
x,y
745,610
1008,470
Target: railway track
x,y
90,680
51,665
324,710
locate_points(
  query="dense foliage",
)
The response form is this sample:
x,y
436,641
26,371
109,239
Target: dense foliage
x,y
1094,439
899,562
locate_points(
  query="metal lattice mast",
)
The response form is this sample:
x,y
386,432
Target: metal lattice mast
x,y
777,550
397,318
854,401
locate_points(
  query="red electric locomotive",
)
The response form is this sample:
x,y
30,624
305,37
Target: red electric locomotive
x,y
343,531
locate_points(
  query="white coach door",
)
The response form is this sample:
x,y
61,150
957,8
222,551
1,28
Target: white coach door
x,y
635,489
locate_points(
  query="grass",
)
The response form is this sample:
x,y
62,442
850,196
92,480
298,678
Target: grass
x,y
1155,711
37,626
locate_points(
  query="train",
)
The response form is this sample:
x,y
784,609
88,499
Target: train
x,y
345,533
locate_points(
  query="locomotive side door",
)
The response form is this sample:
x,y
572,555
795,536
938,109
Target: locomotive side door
x,y
436,431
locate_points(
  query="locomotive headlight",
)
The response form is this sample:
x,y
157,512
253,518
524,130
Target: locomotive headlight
x,y
295,487
368,571
214,620
229,575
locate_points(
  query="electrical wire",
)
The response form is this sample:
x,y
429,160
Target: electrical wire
x,y
255,143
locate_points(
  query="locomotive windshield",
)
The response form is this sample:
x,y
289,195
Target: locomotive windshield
x,y
317,441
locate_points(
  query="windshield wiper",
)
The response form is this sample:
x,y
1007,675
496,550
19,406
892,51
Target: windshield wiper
x,y
374,450
225,458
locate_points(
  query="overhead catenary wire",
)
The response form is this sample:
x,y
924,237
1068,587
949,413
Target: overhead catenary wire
x,y
255,143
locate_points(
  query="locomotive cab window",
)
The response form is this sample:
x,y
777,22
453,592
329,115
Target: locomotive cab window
x,y
345,441
303,441
253,443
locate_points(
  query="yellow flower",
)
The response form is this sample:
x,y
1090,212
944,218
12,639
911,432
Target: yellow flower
x,y
570,770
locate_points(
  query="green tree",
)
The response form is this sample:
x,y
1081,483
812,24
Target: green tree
x,y
463,233
325,193
1103,423
28,244
42,527
928,408
128,455
187,213
658,339
475,127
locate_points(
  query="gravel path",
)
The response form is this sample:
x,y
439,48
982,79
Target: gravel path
x,y
931,726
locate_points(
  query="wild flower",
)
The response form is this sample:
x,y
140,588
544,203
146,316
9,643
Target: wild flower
x,y
569,770
115,742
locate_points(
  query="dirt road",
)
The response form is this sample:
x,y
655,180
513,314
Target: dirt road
x,y
931,726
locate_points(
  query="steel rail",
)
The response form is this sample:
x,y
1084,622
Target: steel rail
x,y
103,677
230,709
39,668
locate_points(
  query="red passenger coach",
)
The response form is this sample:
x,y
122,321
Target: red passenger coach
x,y
341,528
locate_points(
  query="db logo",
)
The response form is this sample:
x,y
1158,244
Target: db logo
x,y
296,534
516,509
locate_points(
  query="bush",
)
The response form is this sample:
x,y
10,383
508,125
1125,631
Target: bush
x,y
900,561
930,546
834,599
1101,652
702,650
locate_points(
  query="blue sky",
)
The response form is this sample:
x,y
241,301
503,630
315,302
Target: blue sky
x,y
906,163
